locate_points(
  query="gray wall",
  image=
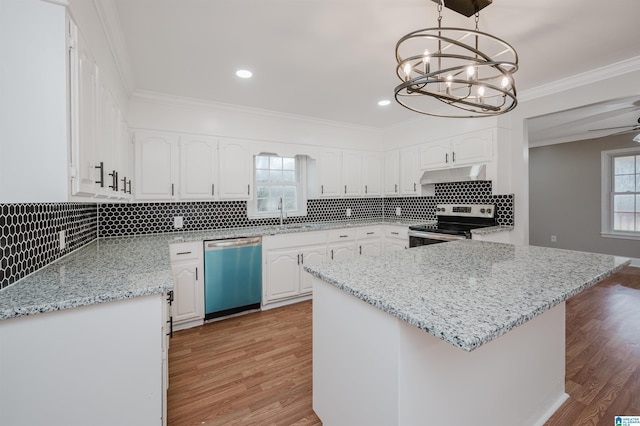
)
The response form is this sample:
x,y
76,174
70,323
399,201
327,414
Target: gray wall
x,y
564,196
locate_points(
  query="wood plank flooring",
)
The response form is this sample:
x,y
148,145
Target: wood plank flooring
x,y
256,369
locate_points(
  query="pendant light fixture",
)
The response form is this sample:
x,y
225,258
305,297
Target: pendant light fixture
x,y
456,72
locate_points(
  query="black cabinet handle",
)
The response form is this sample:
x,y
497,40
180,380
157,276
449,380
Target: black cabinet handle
x,y
396,187
370,233
365,189
183,252
114,180
345,189
322,189
249,189
124,184
298,258
196,273
172,190
331,254
395,233
170,322
414,187
453,155
213,189
101,181
129,190
302,258
343,236
360,249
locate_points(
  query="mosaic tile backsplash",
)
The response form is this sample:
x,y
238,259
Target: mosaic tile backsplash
x,y
153,218
29,233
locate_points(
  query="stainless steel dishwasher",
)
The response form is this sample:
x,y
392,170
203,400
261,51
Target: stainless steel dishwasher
x,y
232,276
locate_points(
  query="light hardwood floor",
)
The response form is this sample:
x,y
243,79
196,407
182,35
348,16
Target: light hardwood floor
x,y
256,369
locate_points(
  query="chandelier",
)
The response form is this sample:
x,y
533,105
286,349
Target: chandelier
x,y
456,72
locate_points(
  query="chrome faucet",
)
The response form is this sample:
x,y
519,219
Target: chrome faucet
x,y
281,208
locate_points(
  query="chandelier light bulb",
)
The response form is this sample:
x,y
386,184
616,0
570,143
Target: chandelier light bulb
x,y
407,70
480,93
504,83
471,70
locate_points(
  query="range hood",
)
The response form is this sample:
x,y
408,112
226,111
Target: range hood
x,y
456,174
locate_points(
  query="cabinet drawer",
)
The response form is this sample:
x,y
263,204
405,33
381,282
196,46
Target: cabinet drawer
x,y
397,232
369,232
185,251
337,235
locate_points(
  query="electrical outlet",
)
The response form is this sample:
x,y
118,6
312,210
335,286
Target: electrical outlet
x,y
348,212
63,239
554,239
398,212
178,222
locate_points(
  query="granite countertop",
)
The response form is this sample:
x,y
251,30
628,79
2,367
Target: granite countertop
x,y
112,269
468,292
491,230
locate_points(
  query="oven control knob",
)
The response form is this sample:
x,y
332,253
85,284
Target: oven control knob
x,y
488,211
483,210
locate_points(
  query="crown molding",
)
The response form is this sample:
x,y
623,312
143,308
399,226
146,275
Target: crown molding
x,y
588,77
185,102
110,21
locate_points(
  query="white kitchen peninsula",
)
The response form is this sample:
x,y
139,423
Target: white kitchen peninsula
x,y
467,332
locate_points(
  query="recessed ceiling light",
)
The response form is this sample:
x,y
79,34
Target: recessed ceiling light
x,y
244,73
384,102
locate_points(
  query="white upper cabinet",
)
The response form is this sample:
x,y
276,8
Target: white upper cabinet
x,y
329,169
236,170
99,136
372,167
409,171
352,173
392,173
471,148
84,85
198,168
156,171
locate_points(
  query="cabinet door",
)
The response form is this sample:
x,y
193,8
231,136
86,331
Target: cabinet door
x,y
340,251
435,155
84,105
392,173
329,166
188,291
198,166
310,256
472,148
409,171
282,277
372,174
370,247
156,166
352,173
395,244
235,170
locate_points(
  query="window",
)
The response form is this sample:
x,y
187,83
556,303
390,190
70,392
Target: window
x,y
278,180
621,169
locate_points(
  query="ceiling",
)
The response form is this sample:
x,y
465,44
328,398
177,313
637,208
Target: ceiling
x,y
334,59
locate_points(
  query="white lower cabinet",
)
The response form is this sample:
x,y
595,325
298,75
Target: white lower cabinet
x,y
396,238
99,365
341,244
369,241
284,257
188,284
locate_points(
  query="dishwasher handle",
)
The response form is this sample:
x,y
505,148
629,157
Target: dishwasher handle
x,y
232,242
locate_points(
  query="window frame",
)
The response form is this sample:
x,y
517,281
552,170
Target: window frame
x,y
301,184
607,193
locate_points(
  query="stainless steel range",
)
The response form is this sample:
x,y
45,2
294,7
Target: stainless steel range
x,y
455,222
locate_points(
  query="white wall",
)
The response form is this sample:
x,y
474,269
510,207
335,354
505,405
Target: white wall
x,y
161,112
600,85
33,102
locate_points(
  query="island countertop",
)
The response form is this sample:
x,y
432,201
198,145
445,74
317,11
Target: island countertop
x,y
468,292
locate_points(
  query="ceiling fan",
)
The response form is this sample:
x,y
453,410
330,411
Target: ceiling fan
x,y
630,129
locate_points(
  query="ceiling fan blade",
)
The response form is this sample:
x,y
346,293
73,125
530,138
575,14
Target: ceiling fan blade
x,y
613,128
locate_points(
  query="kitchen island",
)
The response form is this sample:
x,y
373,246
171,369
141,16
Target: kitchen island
x,y
466,332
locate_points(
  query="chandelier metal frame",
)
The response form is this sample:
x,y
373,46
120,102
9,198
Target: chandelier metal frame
x,y
465,81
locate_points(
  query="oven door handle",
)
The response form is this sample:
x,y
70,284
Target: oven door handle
x,y
434,236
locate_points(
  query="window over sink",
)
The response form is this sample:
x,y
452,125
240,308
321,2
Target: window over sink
x,y
280,183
